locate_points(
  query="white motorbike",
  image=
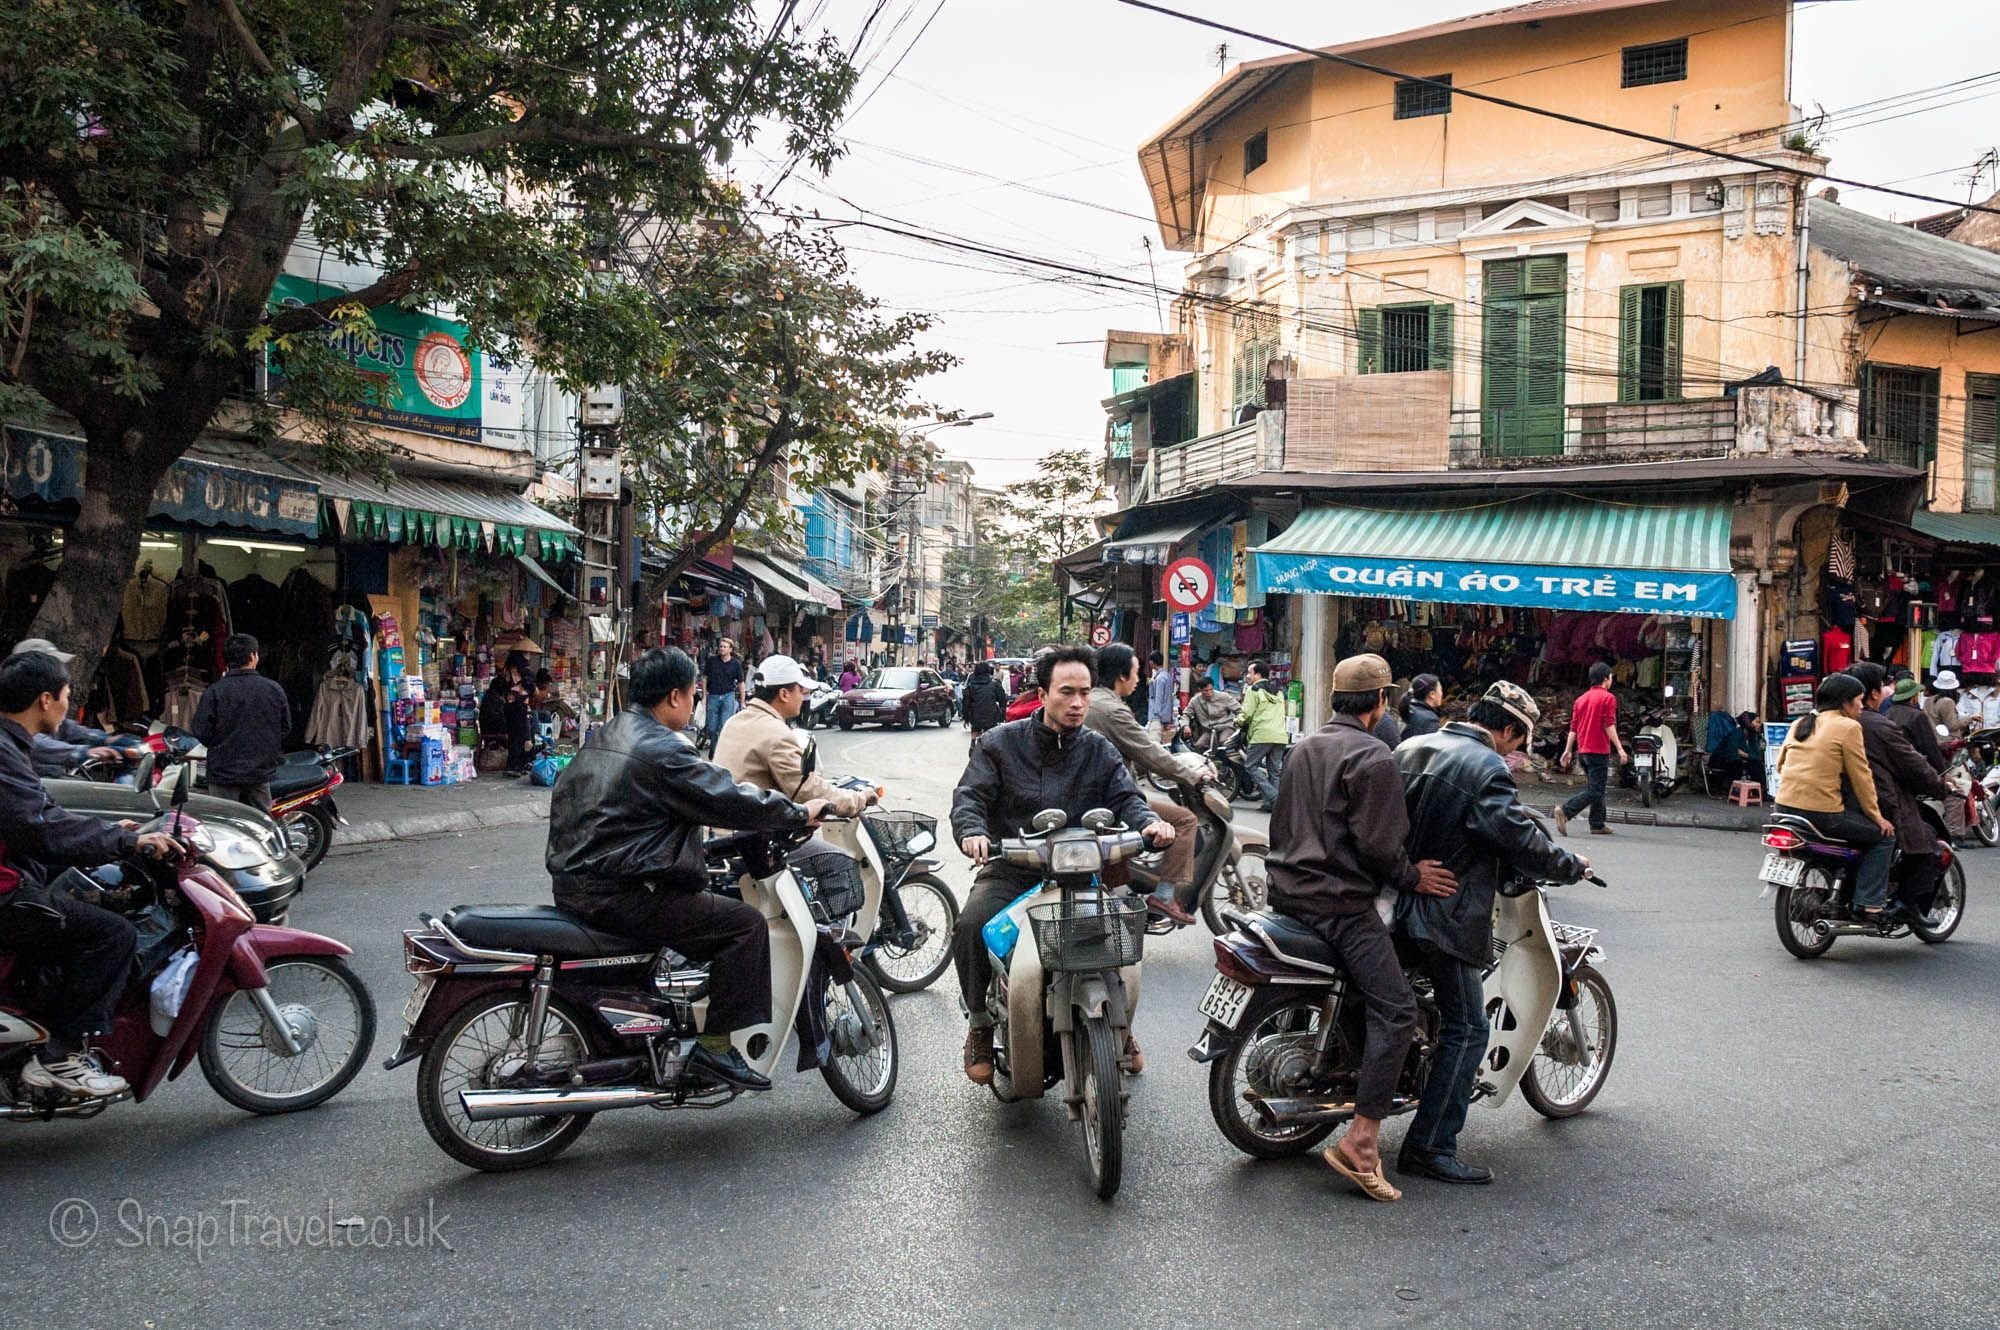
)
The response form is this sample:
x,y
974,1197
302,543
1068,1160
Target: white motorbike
x,y
817,712
886,890
1066,980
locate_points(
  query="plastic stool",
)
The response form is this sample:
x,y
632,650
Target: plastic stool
x,y
399,771
1743,793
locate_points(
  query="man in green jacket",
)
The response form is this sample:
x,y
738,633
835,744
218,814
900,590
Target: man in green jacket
x,y
1264,731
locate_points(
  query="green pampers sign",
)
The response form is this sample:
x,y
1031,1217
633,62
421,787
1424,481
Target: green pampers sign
x,y
430,380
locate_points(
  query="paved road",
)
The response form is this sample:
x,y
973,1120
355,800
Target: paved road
x,y
1780,1145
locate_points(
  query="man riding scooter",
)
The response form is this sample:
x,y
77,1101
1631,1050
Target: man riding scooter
x,y
626,826
1902,779
1117,678
71,743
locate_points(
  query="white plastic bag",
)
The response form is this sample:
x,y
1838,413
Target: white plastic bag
x,y
170,988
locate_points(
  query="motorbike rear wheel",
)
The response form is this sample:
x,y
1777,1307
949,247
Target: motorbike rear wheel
x,y
1947,910
1245,885
1556,1084
480,1039
1103,1112
1797,908
1987,826
864,1078
933,912
1278,1024
309,831
321,998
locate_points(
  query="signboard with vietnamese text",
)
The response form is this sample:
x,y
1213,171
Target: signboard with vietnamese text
x,y
1610,590
428,379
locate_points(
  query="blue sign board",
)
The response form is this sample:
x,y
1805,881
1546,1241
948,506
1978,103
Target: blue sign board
x,y
909,637
1178,630
213,495
1607,590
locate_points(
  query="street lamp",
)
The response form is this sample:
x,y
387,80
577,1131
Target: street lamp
x,y
954,423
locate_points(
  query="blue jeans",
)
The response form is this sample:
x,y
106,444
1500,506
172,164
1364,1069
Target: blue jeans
x,y
1447,1094
720,709
1596,770
1265,763
1871,875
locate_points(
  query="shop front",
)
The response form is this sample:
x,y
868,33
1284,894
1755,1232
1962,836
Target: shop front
x,y
802,614
1533,589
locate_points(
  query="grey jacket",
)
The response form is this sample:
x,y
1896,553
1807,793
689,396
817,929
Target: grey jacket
x,y
1110,717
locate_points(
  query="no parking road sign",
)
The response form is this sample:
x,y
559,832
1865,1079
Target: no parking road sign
x,y
1188,585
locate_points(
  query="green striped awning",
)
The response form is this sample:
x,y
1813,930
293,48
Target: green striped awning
x,y
1555,552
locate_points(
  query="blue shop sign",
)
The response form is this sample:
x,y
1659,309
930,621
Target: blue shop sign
x,y
43,466
212,495
1178,630
1608,590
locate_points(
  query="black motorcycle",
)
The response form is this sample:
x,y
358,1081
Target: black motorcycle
x,y
1811,877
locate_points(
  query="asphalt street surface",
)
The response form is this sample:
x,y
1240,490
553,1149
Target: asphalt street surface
x,y
1780,1144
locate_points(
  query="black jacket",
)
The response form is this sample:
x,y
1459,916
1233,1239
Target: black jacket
x,y
1466,812
1421,720
1339,826
242,719
1022,767
630,811
985,703
1922,731
37,833
1902,777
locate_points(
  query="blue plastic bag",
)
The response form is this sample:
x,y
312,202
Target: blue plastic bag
x,y
546,769
1003,930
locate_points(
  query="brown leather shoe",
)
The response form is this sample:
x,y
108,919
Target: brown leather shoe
x,y
1172,909
1601,831
979,1055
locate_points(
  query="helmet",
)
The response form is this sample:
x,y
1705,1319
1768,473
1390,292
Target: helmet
x,y
777,672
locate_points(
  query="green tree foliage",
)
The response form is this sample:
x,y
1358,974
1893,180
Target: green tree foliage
x,y
1010,579
159,160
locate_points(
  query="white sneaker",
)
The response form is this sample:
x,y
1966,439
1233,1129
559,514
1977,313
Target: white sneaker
x,y
72,1075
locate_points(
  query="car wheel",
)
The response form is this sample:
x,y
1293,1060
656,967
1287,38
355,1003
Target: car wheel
x,y
910,718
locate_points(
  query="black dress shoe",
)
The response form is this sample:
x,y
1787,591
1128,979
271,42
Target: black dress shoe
x,y
729,1067
1442,1168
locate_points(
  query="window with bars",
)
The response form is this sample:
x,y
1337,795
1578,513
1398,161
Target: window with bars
x,y
1899,407
1982,440
1655,62
1256,338
1256,151
1649,342
1414,98
1401,339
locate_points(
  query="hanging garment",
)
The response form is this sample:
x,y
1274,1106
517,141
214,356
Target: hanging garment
x,y
1979,653
178,706
1840,556
125,681
255,606
1944,651
1839,602
144,607
339,714
1836,650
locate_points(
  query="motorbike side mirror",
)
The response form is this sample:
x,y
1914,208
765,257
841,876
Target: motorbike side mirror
x,y
809,759
183,783
1097,819
1050,819
142,774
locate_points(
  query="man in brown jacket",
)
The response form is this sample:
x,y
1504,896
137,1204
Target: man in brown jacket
x,y
1337,844
1110,716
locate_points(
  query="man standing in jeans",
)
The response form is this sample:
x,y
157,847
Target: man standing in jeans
x,y
1264,732
242,720
1593,734
722,677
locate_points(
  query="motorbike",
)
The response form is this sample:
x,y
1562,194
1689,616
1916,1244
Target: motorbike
x,y
1971,770
276,1017
1284,1039
899,904
817,713
1229,869
529,1022
1655,758
1224,748
302,800
1810,878
1066,979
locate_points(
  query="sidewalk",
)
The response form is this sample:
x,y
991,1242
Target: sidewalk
x,y
1685,807
380,813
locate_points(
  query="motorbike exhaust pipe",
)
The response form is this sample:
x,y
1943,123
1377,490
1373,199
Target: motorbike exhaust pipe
x,y
1296,1112
491,1105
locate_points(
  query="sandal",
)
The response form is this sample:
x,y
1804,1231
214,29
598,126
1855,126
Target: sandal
x,y
1373,1185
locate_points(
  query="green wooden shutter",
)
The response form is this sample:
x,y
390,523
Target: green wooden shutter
x,y
1670,367
1500,376
1542,376
1630,301
1982,440
1546,275
1441,336
1503,279
1368,342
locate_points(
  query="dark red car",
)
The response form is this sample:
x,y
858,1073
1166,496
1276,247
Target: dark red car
x,y
897,695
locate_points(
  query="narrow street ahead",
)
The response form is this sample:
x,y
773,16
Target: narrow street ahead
x,y
1776,1146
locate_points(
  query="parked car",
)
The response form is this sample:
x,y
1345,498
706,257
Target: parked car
x,y
271,876
899,695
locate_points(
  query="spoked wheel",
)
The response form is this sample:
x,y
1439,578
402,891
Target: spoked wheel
x,y
862,1074
1565,1074
933,913
1800,908
331,1017
1244,885
1278,1037
1103,1111
309,832
1987,828
485,1046
1947,910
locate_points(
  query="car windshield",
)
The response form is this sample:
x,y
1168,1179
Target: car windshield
x,y
900,681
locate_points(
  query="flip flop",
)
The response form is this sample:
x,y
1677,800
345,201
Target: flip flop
x,y
1374,1185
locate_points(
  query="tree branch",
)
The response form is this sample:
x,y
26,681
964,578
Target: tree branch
x,y
298,110
533,129
385,290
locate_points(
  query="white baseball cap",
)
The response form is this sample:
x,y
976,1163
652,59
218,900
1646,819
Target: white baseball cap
x,y
777,672
43,645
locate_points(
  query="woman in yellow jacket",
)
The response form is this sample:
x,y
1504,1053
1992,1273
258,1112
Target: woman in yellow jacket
x,y
1823,777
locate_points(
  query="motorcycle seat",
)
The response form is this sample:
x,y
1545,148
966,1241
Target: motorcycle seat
x,y
1291,941
1804,829
543,930
296,778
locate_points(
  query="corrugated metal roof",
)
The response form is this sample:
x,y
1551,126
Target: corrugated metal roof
x,y
1692,536
1960,528
1904,259
501,507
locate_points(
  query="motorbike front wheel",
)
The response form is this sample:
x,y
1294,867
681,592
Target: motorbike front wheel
x,y
483,1047
862,1071
933,912
1563,1078
1280,1028
1243,885
1103,1112
1799,908
1947,909
330,1014
309,832
1987,827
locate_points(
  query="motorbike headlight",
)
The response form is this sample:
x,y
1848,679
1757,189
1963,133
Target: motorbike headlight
x,y
1075,856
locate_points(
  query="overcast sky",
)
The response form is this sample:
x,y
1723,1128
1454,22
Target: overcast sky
x,y
1053,99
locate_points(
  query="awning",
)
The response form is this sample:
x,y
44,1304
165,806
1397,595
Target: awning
x,y
1959,528
1555,553
1155,546
224,490
541,574
416,511
781,575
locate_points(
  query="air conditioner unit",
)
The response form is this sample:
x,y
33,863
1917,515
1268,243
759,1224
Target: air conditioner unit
x,y
604,406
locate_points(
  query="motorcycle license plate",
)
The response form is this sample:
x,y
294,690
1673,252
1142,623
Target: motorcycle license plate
x,y
1224,1002
1782,871
418,996
1643,762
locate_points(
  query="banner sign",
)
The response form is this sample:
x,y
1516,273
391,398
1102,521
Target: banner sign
x,y
227,496
428,379
43,466
1177,630
1607,590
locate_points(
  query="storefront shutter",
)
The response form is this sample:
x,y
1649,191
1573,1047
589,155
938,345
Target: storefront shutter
x,y
1441,336
1368,341
1630,301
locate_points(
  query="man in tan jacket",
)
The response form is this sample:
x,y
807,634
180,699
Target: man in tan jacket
x,y
759,745
1111,716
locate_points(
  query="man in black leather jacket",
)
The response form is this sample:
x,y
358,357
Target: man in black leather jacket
x,y
626,826
1047,760
1466,813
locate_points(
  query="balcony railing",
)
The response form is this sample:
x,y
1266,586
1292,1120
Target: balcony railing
x,y
1593,432
1901,452
1204,463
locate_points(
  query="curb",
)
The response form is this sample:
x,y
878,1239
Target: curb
x,y
358,834
1694,819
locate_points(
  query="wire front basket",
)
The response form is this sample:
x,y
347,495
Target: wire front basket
x,y
893,830
1090,932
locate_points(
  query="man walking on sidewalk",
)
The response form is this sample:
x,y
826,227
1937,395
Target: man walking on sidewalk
x,y
242,719
1593,735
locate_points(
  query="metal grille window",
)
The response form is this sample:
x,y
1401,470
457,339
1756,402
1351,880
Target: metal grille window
x,y
1426,98
1256,338
1402,339
1655,62
1899,413
1982,440
1256,151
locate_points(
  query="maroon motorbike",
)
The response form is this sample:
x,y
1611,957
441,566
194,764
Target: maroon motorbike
x,y
276,1016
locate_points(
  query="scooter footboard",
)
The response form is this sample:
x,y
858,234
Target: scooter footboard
x,y
1521,991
